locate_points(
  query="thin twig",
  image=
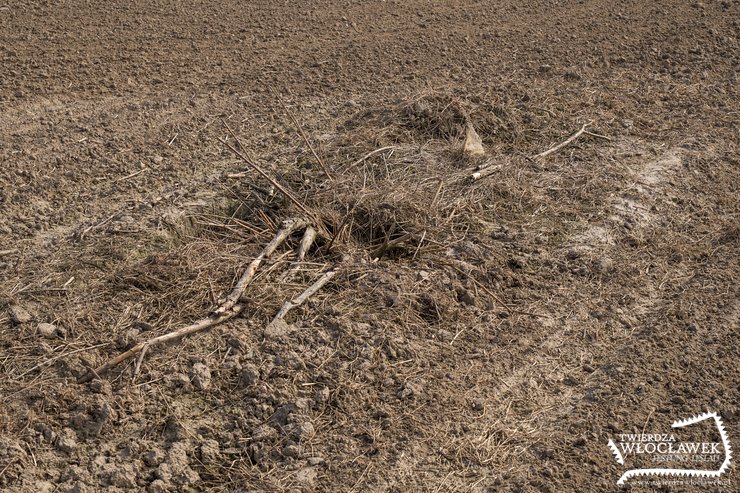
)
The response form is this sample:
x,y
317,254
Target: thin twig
x,y
95,226
598,136
309,236
367,156
304,136
267,177
289,226
139,360
562,144
290,304
135,173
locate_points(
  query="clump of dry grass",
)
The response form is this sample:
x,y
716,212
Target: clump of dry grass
x,y
390,218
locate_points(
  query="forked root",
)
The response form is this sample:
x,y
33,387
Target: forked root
x,y
227,310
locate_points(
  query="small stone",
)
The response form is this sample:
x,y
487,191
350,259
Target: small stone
x,y
322,395
603,265
316,461
306,476
158,159
464,296
124,477
479,404
407,391
249,375
19,315
67,441
263,433
292,451
200,375
158,486
305,430
153,458
444,335
78,487
101,387
181,380
48,331
209,452
43,487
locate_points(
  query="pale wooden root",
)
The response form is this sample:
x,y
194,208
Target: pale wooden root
x,y
289,226
564,143
228,309
290,304
487,171
309,236
198,326
368,155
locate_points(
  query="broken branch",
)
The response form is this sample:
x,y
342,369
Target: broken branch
x,y
369,155
198,326
228,309
290,304
309,236
289,226
564,143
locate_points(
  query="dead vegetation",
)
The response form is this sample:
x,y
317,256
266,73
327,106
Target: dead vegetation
x,y
465,291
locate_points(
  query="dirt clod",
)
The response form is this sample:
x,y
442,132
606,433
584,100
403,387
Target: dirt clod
x,y
200,375
19,315
48,331
66,441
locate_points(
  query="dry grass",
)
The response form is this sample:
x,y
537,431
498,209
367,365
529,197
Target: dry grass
x,y
442,344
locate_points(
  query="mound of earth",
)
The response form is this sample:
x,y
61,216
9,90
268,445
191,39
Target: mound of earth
x,y
494,320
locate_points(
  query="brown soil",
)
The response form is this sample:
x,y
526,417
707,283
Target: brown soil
x,y
513,327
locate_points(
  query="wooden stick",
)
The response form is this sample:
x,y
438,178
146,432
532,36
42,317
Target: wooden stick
x,y
290,304
563,144
289,226
135,173
198,326
598,136
309,236
304,136
369,155
487,171
228,309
